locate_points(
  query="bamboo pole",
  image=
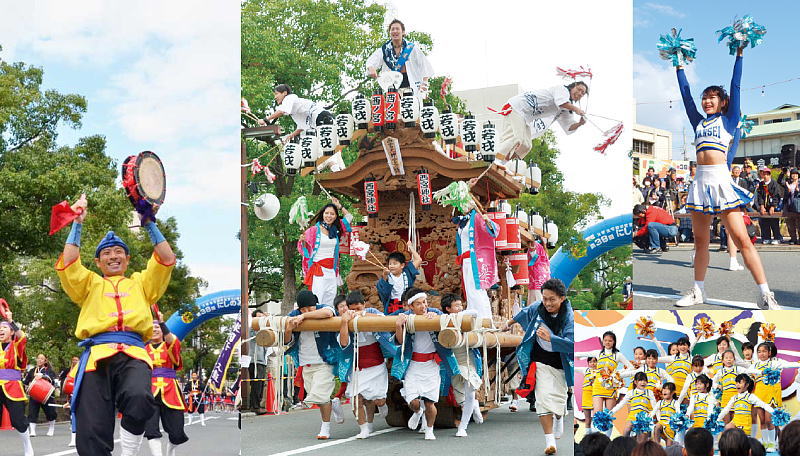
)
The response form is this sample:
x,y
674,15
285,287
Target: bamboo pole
x,y
450,338
373,323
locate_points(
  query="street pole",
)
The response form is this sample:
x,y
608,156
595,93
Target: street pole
x,y
244,373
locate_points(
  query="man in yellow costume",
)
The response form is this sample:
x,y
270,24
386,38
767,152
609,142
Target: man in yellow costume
x,y
115,321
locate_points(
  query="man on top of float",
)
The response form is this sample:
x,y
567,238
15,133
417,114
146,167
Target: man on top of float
x,y
114,323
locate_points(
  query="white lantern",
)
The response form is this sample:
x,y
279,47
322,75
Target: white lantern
x,y
517,167
505,207
448,125
345,126
327,140
309,149
469,133
535,175
488,136
552,228
291,156
409,108
266,206
429,119
537,222
522,216
361,112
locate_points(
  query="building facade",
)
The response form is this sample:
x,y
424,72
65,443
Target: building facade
x,y
775,137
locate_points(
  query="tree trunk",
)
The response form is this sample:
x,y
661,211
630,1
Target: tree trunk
x,y
289,277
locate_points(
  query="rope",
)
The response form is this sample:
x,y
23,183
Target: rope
x,y
356,364
412,220
278,324
408,328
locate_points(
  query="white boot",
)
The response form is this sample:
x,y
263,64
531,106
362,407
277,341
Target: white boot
x,y
476,413
202,419
550,444
429,433
155,447
52,429
27,446
72,440
190,420
32,429
413,422
364,434
558,426
171,448
324,431
129,442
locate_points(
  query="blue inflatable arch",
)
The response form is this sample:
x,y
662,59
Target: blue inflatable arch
x,y
606,235
207,307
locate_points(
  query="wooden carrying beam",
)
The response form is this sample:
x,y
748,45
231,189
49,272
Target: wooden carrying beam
x,y
450,338
373,323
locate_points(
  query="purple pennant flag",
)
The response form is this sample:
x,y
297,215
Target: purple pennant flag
x,y
225,356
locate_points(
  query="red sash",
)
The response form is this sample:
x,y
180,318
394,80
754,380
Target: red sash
x,y
530,382
394,306
462,257
316,270
369,356
425,357
504,111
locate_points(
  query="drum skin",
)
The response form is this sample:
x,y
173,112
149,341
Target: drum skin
x,y
40,390
143,178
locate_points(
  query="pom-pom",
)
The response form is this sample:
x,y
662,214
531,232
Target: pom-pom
x,y
679,422
704,329
610,136
603,420
747,125
767,332
726,328
645,326
456,194
299,212
781,417
714,426
610,379
717,393
684,407
676,49
771,376
642,424
742,32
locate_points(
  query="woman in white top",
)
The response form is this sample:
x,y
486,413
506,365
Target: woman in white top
x,y
307,115
402,56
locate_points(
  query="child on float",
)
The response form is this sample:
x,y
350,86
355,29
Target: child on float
x,y
702,403
666,407
742,403
725,378
589,374
12,363
639,399
398,276
689,385
770,394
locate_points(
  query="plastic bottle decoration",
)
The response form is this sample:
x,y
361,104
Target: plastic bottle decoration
x,y
552,228
469,133
448,125
429,119
537,222
535,175
409,108
371,198
424,190
377,110
309,148
361,112
488,135
327,140
291,156
345,126
391,109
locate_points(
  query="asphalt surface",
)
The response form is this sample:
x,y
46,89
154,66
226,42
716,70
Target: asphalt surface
x,y
220,437
502,433
660,279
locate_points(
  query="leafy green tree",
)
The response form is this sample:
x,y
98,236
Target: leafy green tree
x,y
599,285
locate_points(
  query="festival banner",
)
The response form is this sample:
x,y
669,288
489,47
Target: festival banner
x,y
206,307
217,378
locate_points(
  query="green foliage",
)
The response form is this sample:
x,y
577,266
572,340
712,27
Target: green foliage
x,y
600,283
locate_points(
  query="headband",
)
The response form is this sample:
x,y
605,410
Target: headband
x,y
417,296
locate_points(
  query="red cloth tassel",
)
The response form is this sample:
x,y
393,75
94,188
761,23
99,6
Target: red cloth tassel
x,y
530,382
61,216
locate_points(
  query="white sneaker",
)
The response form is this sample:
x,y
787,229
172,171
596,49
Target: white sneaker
x,y
692,297
735,267
324,431
776,242
558,427
461,433
477,415
364,434
338,413
413,422
429,434
72,440
768,302
513,406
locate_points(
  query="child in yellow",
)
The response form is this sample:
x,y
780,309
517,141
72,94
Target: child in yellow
x,y
666,407
742,404
725,378
714,362
586,391
656,376
770,394
701,403
679,364
639,398
115,321
689,386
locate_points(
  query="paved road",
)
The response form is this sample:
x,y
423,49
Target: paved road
x,y
659,280
220,437
503,433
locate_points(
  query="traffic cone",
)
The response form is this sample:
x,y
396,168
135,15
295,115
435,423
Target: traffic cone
x,y
5,422
270,401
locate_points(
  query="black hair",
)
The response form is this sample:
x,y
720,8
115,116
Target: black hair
x,y
397,256
396,21
790,438
669,347
337,300
733,442
748,380
591,358
651,354
639,376
318,216
639,208
557,287
255,311
724,338
728,351
355,297
748,345
639,348
409,293
698,360
756,448
698,442
770,346
703,378
282,88
721,93
621,446
448,300
609,333
594,444
670,386
577,83
306,298
683,341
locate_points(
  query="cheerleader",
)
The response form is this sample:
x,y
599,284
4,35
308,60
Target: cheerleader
x,y
320,249
713,192
678,364
589,375
639,398
12,364
604,392
747,352
656,376
702,402
770,394
741,404
666,407
714,362
689,385
725,378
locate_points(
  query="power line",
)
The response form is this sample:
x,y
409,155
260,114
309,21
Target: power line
x,y
759,87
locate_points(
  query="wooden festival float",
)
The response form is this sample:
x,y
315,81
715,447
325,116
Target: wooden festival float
x,y
399,166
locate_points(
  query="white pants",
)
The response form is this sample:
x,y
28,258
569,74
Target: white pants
x,y
477,299
325,286
551,390
515,131
372,383
422,380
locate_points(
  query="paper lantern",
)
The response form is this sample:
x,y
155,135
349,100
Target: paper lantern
x,y
429,119
488,136
469,133
291,156
521,215
409,108
267,206
361,112
517,167
519,268
505,207
552,229
448,125
377,110
327,140
371,198
345,126
309,148
535,175
424,190
391,109
537,222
